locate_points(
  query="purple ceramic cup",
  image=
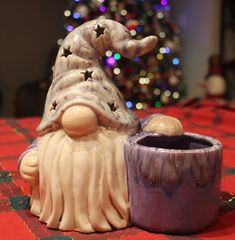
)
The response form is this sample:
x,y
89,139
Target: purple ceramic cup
x,y
174,182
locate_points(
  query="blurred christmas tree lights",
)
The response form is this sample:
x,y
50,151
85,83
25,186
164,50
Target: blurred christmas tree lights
x,y
154,79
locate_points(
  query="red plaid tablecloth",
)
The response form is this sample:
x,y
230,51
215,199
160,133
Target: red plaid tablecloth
x,y
16,222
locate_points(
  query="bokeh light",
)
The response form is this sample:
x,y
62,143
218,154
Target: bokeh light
x,y
151,80
117,56
167,50
67,13
142,73
150,75
60,41
167,93
69,28
167,7
123,12
139,106
139,28
159,56
175,95
160,15
164,2
129,104
157,91
102,8
157,104
108,53
76,15
110,61
162,34
162,50
136,59
175,61
116,71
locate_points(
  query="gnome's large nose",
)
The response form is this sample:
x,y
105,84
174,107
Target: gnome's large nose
x,y
131,48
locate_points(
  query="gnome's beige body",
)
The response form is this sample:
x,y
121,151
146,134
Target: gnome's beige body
x,y
77,171
82,179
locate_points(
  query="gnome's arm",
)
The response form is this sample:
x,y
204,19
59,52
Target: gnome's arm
x,y
77,121
28,164
32,146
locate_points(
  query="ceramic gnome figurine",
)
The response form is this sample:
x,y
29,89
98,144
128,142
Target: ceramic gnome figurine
x,y
76,166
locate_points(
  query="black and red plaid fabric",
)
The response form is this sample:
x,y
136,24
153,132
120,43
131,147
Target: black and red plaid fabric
x,y
16,222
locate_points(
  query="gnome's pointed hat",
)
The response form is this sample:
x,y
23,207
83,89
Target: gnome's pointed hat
x,y
80,79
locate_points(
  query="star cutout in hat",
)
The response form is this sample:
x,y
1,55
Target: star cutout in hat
x,y
54,105
66,52
99,30
87,74
113,107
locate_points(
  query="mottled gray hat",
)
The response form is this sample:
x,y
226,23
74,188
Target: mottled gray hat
x,y
80,79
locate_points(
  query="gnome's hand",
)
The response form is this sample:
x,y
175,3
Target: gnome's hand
x,y
165,125
79,121
29,167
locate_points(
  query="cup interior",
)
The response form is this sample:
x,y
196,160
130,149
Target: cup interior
x,y
184,142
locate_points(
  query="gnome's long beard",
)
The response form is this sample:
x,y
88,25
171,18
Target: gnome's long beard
x,y
82,182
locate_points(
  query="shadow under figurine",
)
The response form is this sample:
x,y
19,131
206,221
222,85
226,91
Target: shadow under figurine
x,y
76,166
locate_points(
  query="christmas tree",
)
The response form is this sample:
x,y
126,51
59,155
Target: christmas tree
x,y
149,81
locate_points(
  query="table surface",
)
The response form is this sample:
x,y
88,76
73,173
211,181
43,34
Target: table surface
x,y
16,222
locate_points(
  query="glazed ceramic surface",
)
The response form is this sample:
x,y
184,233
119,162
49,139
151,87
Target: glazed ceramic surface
x,y
76,167
174,182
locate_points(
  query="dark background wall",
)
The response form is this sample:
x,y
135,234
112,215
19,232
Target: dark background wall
x,y
29,32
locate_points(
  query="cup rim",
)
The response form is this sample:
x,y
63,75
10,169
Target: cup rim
x,y
216,144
